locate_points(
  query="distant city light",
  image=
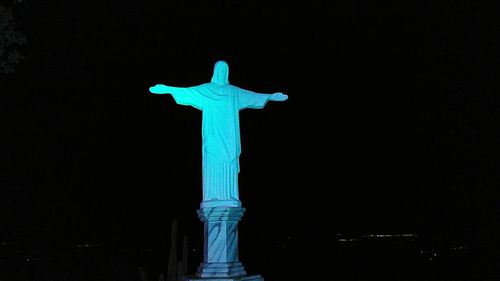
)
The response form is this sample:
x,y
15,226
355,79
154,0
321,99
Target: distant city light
x,y
348,240
361,237
389,235
459,248
88,245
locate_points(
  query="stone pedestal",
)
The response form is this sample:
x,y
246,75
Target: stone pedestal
x,y
220,262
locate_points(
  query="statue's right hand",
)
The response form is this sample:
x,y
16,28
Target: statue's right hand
x,y
159,89
279,97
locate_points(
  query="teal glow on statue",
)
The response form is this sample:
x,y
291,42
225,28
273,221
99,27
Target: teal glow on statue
x,y
220,103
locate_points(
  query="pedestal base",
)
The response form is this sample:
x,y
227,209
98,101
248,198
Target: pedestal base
x,y
220,262
223,269
236,278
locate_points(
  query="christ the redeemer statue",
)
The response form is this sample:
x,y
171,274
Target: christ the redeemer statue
x,y
220,103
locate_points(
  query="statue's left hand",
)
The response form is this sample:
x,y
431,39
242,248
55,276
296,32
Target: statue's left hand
x,y
159,89
278,97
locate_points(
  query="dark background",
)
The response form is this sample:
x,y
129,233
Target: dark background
x,y
392,126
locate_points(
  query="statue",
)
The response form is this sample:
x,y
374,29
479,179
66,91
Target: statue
x,y
220,103
220,212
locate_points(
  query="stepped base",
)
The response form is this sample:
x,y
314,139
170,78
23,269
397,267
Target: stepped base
x,y
236,278
223,269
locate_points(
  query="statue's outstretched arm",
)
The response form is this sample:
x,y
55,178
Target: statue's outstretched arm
x,y
184,96
249,99
161,89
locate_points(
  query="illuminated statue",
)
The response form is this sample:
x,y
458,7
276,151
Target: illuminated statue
x,y
220,103
221,208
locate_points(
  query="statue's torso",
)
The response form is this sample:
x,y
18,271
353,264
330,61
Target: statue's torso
x,y
220,126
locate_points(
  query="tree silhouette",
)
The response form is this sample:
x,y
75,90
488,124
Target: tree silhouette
x,y
10,40
172,258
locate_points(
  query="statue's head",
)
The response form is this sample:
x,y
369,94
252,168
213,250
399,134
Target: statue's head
x,y
221,73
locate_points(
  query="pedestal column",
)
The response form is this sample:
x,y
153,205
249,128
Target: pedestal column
x,y
220,262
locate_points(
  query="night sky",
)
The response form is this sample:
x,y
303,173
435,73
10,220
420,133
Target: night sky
x,y
392,122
